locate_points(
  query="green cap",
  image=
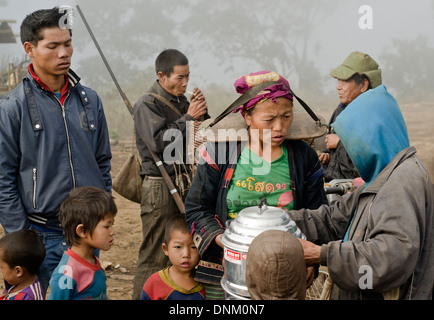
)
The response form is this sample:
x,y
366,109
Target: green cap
x,y
358,62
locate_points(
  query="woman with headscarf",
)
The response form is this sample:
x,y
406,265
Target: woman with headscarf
x,y
231,177
377,241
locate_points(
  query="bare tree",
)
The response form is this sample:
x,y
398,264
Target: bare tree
x,y
407,68
274,34
131,33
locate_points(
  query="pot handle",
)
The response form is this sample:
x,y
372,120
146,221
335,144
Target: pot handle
x,y
262,205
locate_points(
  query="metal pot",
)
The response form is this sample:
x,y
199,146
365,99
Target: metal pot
x,y
238,236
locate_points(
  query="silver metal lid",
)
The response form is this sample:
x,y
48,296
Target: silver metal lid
x,y
252,221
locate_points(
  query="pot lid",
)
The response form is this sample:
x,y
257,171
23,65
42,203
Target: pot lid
x,y
252,221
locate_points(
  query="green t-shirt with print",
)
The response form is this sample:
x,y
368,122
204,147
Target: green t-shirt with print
x,y
253,178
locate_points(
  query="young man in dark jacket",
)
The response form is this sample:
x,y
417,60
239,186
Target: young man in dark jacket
x,y
53,137
155,121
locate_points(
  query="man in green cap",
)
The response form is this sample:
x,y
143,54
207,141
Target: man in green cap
x,y
358,73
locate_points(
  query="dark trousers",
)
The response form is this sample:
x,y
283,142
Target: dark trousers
x,y
157,207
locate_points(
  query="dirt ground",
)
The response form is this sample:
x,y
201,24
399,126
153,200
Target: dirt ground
x,y
128,228
420,125
121,259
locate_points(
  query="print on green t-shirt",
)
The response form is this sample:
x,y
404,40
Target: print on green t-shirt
x,y
253,178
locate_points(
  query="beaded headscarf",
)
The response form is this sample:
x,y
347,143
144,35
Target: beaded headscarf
x,y
273,92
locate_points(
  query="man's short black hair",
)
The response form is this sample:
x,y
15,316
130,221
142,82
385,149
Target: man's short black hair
x,y
33,24
169,58
23,248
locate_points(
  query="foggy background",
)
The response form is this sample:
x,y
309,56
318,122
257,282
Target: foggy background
x,y
301,39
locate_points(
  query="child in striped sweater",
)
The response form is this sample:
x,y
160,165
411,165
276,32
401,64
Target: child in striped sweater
x,y
21,255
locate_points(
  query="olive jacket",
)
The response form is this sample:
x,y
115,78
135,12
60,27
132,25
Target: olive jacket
x,y
389,252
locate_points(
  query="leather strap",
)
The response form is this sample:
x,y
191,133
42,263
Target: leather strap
x,y
248,95
166,102
306,107
251,93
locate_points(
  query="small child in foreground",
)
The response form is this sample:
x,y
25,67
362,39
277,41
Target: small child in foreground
x,y
87,216
21,255
177,281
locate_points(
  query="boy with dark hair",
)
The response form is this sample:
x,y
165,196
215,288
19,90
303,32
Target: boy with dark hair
x,y
21,255
87,216
54,137
177,281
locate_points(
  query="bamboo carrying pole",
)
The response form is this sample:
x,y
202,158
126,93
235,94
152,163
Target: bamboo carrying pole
x,y
158,162
325,294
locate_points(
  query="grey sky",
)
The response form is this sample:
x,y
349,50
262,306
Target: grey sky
x,y
337,35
